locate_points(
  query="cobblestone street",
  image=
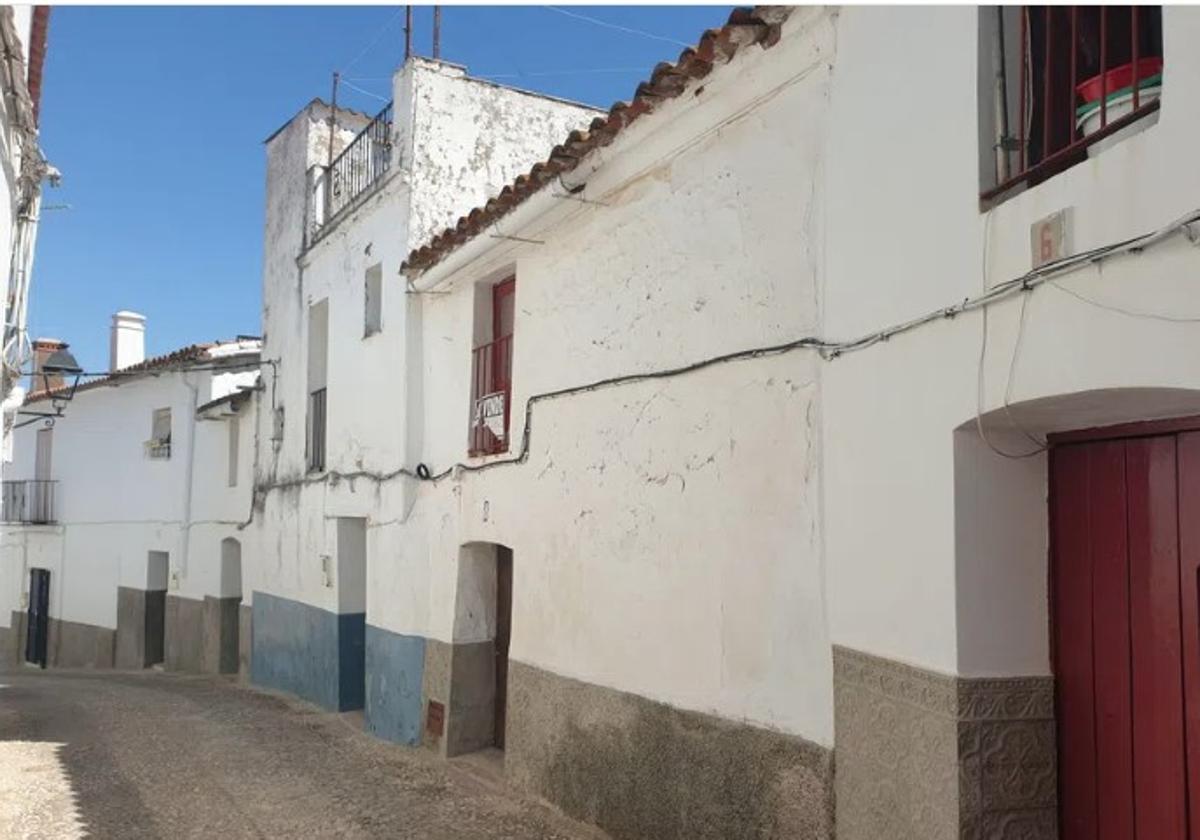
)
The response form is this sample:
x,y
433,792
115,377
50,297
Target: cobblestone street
x,y
154,755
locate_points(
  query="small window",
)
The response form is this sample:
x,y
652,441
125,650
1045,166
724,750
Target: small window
x,y
1060,81
234,429
373,301
159,445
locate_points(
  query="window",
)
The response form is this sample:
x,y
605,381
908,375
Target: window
x,y
491,371
159,445
373,301
233,428
1062,79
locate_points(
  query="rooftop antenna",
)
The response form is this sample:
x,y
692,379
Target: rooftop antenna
x,y
437,32
407,32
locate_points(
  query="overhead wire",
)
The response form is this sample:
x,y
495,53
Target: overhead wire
x,y
629,30
544,73
1131,313
980,375
364,91
371,44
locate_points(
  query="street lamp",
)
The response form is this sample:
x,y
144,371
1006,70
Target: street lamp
x,y
57,368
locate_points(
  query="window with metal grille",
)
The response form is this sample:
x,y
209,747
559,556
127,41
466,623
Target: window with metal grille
x,y
1064,82
491,376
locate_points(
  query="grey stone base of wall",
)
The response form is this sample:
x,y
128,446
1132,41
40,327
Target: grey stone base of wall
x,y
927,756
202,636
74,645
462,678
641,769
140,625
69,644
12,640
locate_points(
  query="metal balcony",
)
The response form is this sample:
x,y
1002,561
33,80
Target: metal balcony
x,y
29,501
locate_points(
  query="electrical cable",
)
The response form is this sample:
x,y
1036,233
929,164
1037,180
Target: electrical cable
x,y
365,92
618,27
1132,313
829,350
1039,446
370,44
980,380
580,72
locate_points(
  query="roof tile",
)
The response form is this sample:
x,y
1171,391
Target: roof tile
x,y
745,27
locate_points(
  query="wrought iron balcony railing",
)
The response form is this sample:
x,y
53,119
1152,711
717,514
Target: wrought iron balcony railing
x,y
491,393
28,501
360,166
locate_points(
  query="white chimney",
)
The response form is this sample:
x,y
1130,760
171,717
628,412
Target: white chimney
x,y
127,344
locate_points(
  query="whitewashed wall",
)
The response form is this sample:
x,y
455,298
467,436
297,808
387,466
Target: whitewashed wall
x,y
455,137
702,540
666,535
114,504
11,152
937,551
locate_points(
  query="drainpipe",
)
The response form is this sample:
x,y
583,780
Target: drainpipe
x,y
189,472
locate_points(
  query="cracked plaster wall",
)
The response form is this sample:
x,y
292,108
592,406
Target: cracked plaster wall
x,y
665,535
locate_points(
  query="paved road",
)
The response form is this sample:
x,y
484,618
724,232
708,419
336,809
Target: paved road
x,y
124,755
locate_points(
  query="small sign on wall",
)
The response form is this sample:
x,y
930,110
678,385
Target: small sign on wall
x,y
435,718
489,413
1050,237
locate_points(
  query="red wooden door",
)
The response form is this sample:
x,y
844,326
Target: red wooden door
x,y
1124,588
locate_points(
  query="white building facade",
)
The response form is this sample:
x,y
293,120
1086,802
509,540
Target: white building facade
x,y
128,509
23,33
740,468
785,518
338,411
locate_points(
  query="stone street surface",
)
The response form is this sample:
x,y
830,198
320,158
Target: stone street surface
x,y
154,755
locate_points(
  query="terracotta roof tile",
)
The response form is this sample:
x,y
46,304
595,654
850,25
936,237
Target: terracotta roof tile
x,y
745,27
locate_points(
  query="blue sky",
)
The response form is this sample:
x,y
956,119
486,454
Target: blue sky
x,y
156,117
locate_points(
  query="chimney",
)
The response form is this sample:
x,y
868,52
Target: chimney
x,y
44,348
127,345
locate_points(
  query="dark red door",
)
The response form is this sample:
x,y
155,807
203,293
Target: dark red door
x,y
1124,588
503,632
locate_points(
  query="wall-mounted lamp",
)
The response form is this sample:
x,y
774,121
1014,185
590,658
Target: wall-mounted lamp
x,y
57,377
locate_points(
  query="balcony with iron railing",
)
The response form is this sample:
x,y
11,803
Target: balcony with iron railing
x,y
359,168
29,502
491,394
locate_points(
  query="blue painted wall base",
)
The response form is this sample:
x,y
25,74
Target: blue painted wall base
x,y
308,651
395,665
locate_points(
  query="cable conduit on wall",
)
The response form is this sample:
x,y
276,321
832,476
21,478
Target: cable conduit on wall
x,y
829,350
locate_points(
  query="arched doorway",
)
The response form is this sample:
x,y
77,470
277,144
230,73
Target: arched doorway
x,y
228,607
472,710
